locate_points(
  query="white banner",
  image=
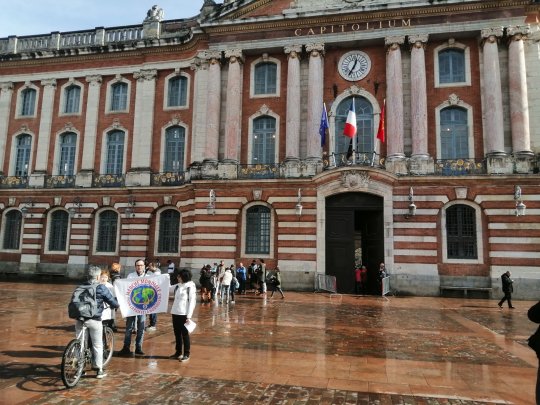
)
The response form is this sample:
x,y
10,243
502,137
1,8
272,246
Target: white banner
x,y
143,295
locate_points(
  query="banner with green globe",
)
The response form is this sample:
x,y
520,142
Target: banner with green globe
x,y
143,295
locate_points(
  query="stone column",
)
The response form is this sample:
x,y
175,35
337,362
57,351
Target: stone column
x,y
200,90
213,106
292,151
84,176
394,105
6,92
37,179
493,106
421,161
141,150
233,125
314,101
519,99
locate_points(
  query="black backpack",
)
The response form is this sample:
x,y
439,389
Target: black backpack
x,y
83,302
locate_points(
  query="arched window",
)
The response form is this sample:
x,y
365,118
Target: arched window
x,y
258,230
364,125
28,102
114,163
175,144
119,93
461,232
107,229
454,133
265,78
58,231
169,231
12,230
68,146
72,97
264,140
177,92
23,149
452,66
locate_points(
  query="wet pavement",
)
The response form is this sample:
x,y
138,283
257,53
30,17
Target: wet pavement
x,y
309,348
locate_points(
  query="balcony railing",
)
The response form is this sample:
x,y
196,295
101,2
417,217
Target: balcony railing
x,y
59,181
168,179
355,159
108,180
259,171
13,181
460,167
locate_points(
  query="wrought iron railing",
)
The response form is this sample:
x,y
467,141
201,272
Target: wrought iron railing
x,y
13,181
108,180
355,159
460,167
259,171
168,179
59,181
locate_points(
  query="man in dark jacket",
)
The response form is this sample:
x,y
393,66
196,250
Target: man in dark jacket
x,y
507,288
94,325
534,316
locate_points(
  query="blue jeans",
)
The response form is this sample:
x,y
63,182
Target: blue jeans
x,y
130,325
153,319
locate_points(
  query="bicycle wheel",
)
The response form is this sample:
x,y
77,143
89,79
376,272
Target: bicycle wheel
x,y
108,345
73,361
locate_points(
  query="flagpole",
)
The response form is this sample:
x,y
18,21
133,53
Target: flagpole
x,y
354,138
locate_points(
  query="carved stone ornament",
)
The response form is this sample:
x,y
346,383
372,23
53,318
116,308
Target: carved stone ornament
x,y
106,201
69,126
94,80
351,179
116,123
453,99
394,40
154,14
145,74
6,86
315,49
176,120
12,201
257,194
57,201
355,90
461,192
487,33
293,50
167,199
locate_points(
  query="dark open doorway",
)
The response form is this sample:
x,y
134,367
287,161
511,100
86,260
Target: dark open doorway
x,y
354,234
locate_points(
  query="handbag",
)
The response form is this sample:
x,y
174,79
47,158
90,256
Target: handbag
x,y
534,341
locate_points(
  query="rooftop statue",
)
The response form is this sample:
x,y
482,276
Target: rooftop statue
x,y
154,14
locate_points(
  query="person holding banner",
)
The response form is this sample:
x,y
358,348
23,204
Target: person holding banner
x,y
185,298
139,320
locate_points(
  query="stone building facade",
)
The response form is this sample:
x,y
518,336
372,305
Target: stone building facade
x,y
199,139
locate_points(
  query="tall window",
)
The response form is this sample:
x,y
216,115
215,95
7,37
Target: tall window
x,y
107,228
115,153
175,143
72,99
264,140
265,78
169,231
119,96
258,221
177,92
68,146
58,231
22,154
452,66
12,230
28,102
461,232
364,125
454,133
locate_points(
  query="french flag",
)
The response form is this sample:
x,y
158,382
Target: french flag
x,y
350,125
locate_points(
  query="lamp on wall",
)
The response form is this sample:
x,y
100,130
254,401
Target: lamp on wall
x,y
412,206
298,207
25,209
211,207
520,207
75,209
129,211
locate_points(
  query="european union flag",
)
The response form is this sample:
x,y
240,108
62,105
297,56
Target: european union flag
x,y
323,128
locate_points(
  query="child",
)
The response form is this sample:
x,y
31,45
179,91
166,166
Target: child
x,y
107,317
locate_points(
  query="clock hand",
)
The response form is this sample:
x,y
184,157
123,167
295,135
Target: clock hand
x,y
353,66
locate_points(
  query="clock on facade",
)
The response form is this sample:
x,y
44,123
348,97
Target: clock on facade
x,y
354,65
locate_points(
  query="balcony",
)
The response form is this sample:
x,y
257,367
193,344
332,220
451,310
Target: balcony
x,y
108,180
13,181
168,179
60,181
258,171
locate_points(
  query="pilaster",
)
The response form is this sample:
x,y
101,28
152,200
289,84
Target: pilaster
x,y
6,93
234,106
292,129
314,100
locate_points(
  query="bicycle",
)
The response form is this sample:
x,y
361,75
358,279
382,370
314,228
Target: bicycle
x,y
78,354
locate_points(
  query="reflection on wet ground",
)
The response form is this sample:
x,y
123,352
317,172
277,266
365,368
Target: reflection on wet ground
x,y
306,349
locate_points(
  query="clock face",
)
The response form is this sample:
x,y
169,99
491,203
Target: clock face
x,y
354,65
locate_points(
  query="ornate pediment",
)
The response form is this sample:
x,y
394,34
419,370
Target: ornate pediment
x,y
354,179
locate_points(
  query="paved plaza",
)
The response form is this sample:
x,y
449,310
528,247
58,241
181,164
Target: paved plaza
x,y
309,348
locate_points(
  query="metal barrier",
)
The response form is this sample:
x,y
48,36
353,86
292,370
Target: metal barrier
x,y
385,286
325,283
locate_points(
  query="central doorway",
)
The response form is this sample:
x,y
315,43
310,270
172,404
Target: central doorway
x,y
354,236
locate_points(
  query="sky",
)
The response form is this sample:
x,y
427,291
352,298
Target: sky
x,y
34,17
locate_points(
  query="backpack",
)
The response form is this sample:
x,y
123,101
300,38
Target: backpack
x,y
83,302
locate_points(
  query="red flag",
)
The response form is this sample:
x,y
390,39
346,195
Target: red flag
x,y
350,126
380,131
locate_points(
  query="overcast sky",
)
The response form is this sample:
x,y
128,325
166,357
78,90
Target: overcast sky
x,y
33,17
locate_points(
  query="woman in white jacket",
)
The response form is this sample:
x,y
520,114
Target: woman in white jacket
x,y
185,293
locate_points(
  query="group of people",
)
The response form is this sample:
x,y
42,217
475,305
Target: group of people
x,y
361,278
220,283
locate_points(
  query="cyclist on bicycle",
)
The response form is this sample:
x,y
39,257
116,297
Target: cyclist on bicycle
x,y
94,324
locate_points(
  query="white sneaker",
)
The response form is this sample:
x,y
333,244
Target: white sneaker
x,y
101,374
152,328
